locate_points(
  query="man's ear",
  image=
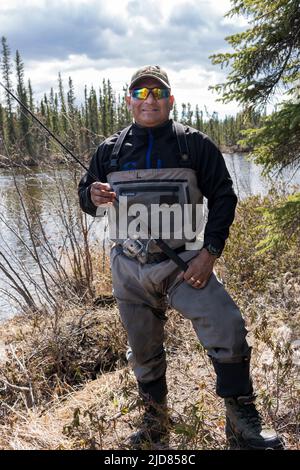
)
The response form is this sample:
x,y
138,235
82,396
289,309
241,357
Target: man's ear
x,y
171,101
128,102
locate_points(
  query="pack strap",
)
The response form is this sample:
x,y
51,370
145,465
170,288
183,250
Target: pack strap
x,y
114,159
172,254
185,159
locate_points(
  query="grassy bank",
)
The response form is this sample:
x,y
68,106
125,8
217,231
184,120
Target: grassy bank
x,y
64,379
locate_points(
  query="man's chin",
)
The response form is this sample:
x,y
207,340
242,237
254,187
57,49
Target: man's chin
x,y
149,122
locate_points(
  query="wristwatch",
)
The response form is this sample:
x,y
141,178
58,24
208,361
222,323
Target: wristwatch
x,y
213,250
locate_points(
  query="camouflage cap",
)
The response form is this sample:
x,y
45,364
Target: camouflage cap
x,y
150,71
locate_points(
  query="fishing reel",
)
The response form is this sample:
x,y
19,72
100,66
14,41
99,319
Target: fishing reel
x,y
135,249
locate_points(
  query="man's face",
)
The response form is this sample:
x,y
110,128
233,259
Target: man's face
x,y
150,112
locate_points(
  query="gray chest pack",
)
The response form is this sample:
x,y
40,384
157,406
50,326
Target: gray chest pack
x,y
156,209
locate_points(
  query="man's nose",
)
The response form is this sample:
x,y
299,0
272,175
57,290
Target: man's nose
x,y
150,98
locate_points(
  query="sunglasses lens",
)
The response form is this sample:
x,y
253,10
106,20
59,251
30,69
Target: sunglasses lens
x,y
140,93
158,93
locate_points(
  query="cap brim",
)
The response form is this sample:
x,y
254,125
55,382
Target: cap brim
x,y
149,75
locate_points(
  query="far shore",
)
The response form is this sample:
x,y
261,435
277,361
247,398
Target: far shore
x,y
29,162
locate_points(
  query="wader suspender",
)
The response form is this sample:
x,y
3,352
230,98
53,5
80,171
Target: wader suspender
x,y
184,161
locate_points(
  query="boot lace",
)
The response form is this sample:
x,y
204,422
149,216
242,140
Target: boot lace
x,y
249,414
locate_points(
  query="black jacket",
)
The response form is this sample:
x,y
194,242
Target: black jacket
x,y
157,148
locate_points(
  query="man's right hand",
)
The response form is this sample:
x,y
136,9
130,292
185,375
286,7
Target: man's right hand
x,y
101,194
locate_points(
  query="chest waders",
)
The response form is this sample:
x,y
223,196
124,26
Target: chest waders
x,y
168,201
145,284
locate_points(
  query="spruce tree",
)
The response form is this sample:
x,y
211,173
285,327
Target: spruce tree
x,y
30,95
63,120
265,62
72,137
23,118
6,73
2,121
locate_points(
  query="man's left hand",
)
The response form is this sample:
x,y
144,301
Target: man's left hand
x,y
200,269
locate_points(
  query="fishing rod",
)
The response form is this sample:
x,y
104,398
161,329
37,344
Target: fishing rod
x,y
49,132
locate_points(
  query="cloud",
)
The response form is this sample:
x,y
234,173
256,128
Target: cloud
x,y
138,34
92,39
189,16
56,31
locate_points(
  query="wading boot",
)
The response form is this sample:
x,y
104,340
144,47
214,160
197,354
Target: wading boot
x,y
154,428
244,428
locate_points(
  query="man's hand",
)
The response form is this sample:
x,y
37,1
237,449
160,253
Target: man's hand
x,y
199,270
101,193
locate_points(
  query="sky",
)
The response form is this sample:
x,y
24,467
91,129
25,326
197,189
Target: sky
x,y
90,40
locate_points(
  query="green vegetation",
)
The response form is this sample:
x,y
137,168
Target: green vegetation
x,y
265,63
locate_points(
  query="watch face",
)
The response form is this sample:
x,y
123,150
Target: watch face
x,y
212,250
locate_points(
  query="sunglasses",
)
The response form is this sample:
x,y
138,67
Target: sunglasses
x,y
143,93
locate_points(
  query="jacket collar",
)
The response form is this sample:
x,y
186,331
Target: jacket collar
x,y
157,131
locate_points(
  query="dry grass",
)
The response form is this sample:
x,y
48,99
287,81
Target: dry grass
x,y
68,386
103,412
48,355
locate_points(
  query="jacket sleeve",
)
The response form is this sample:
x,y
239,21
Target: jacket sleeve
x,y
216,185
84,187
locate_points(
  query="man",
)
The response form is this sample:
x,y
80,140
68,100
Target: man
x,y
143,163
